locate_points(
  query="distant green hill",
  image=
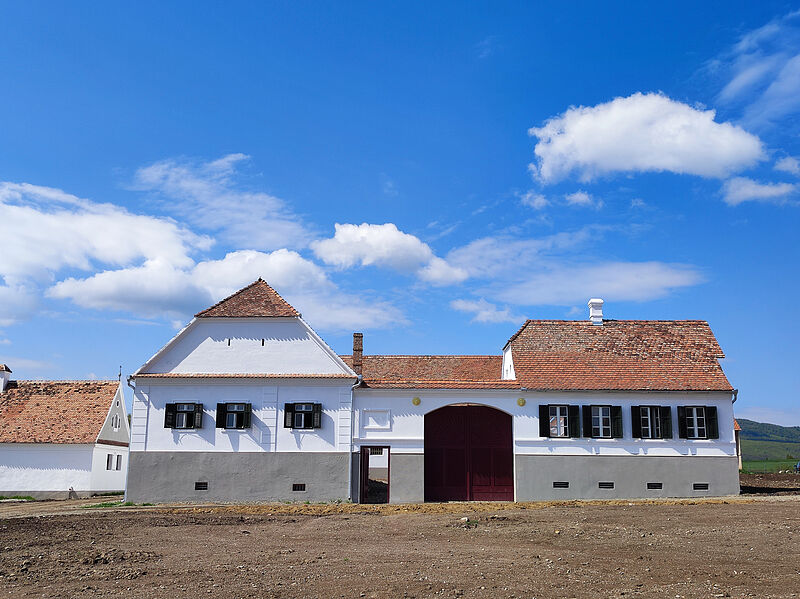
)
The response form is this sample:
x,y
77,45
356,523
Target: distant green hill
x,y
762,441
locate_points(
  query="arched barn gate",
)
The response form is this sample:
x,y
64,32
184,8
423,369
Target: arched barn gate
x,y
469,454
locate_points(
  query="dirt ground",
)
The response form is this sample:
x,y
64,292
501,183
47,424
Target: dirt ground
x,y
740,547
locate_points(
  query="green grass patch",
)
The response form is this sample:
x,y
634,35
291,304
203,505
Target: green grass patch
x,y
18,497
766,466
753,451
112,504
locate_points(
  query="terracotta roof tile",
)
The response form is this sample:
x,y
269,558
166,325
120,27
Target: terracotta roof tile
x,y
626,355
433,372
736,426
54,411
256,300
4,368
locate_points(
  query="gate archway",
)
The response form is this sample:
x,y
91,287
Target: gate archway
x,y
469,454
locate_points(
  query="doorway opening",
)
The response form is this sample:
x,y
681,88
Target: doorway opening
x,y
375,465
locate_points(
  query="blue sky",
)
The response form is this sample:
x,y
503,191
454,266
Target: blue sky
x,y
431,175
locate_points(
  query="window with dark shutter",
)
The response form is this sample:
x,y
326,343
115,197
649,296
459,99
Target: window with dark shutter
x,y
586,412
712,426
666,422
558,421
636,422
317,419
616,422
574,421
169,416
544,420
222,413
303,415
288,415
682,429
198,415
600,422
234,415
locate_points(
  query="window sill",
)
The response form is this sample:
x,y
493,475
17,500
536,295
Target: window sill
x,y
235,430
304,430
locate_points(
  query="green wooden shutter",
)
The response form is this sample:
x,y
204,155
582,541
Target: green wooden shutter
x,y
544,420
587,420
198,415
317,416
636,422
574,421
248,410
288,415
666,422
682,432
616,422
222,412
712,426
169,415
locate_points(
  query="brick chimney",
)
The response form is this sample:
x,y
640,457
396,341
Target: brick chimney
x,y
596,311
358,351
5,376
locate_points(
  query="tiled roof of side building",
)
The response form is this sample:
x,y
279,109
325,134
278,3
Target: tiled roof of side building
x,y
432,372
54,411
256,300
646,355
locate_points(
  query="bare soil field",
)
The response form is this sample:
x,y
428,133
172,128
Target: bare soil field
x,y
738,547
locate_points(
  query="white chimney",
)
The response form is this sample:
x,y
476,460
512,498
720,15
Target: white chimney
x,y
5,376
596,310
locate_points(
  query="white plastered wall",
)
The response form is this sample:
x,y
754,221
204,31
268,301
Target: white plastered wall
x,y
388,417
45,467
104,479
267,432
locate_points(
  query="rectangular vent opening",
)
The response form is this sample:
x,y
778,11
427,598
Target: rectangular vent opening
x,y
299,487
700,486
560,484
653,486
605,485
201,486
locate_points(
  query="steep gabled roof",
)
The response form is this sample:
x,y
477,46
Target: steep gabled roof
x,y
256,300
432,372
646,355
54,411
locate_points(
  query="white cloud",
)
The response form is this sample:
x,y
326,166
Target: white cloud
x,y
208,196
533,200
741,189
561,283
157,289
485,311
789,164
384,246
762,71
641,133
582,198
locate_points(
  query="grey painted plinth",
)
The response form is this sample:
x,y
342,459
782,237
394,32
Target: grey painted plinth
x,y
534,476
406,478
166,476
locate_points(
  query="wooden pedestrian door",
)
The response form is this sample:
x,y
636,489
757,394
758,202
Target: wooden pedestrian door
x,y
468,455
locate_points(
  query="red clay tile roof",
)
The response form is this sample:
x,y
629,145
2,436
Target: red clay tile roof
x,y
628,355
256,300
54,411
4,368
433,372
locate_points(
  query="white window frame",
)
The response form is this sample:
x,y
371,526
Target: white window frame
x,y
559,420
303,416
696,426
109,461
118,465
601,422
182,410
650,420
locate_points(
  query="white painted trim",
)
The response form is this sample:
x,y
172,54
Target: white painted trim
x,y
169,344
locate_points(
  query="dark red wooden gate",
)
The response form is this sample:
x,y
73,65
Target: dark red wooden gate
x,y
468,455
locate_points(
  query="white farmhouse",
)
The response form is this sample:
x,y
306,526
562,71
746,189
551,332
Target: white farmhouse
x,y
247,403
62,439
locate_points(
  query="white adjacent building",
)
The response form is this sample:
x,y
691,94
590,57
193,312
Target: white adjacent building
x,y
62,439
248,403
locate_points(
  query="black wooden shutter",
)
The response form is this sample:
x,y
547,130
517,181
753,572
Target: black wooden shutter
x,y
198,415
169,416
288,415
666,422
712,426
616,422
587,421
574,421
248,410
317,418
636,422
544,420
682,432
222,413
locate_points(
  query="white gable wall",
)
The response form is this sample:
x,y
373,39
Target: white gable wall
x,y
104,479
247,346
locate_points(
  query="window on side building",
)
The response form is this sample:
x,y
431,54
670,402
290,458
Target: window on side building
x,y
302,415
698,422
233,415
559,421
651,422
183,415
602,422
